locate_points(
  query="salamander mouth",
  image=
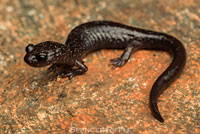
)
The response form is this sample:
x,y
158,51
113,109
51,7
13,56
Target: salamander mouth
x,y
32,61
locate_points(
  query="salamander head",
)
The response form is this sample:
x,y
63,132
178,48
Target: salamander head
x,y
43,54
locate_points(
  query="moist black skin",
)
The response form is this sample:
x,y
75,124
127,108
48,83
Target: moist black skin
x,y
97,35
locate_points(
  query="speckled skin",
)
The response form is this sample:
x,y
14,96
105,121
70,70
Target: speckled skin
x,y
97,35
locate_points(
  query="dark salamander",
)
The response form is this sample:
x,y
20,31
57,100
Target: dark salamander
x,y
96,35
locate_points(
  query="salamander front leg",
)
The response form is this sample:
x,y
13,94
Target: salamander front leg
x,y
120,61
54,67
74,72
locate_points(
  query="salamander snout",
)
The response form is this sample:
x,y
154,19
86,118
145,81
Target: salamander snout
x,y
29,48
35,56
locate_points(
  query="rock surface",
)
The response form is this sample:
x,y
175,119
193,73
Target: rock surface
x,y
103,100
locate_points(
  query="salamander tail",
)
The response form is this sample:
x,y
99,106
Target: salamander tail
x,y
155,112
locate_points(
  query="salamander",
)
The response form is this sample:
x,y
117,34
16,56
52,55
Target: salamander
x,y
97,35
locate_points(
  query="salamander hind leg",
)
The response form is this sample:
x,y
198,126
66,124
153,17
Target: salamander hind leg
x,y
120,61
117,62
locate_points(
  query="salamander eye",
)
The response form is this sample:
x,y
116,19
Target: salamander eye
x,y
29,48
41,57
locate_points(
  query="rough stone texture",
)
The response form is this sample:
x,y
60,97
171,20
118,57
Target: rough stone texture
x,y
102,99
